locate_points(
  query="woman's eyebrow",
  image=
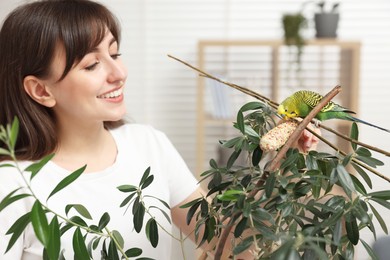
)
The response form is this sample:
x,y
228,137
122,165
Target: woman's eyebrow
x,y
96,49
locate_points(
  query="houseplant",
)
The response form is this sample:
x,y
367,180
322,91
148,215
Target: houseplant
x,y
326,20
293,25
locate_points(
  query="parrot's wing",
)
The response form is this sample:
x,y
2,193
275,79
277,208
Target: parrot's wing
x,y
312,99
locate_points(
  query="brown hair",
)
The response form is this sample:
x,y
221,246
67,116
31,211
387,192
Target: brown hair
x,y
28,40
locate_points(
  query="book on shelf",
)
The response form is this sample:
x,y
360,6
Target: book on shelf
x,y
220,100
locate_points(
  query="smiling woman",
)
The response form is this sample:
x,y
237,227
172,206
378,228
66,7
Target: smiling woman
x,y
62,76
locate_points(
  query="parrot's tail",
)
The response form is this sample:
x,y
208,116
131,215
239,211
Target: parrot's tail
x,y
366,123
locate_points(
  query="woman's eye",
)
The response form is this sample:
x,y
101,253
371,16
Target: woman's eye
x,y
92,66
115,56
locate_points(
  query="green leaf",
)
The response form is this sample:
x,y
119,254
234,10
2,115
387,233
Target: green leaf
x,y
240,122
213,164
370,161
289,160
127,199
144,176
240,227
256,156
382,202
168,218
369,250
352,229
232,142
269,185
127,188
243,246
36,167
104,220
80,209
133,252
67,180
112,251
192,210
4,152
230,195
249,131
384,194
13,135
163,202
17,229
363,152
118,237
138,218
253,105
79,247
354,135
147,182
358,185
79,221
363,174
152,232
337,233
345,179
233,157
9,199
379,218
54,246
39,223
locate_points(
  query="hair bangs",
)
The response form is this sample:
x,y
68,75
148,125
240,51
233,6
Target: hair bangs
x,y
84,29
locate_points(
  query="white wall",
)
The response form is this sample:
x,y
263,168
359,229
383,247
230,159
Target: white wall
x,y
162,92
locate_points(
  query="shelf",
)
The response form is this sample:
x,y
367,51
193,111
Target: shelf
x,y
224,55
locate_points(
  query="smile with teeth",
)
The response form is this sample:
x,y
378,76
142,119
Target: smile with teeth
x,y
112,94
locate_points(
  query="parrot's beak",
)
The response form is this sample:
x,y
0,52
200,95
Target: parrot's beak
x,y
281,110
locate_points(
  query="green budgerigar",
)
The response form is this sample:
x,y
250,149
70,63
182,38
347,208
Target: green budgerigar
x,y
302,102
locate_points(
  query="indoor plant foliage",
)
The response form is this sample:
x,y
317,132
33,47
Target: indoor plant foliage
x,y
293,211
289,206
86,237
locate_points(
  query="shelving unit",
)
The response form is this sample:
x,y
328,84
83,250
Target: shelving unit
x,y
338,58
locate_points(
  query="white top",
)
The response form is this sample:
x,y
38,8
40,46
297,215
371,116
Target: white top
x,y
138,148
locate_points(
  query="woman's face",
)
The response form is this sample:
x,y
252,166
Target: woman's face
x,y
92,91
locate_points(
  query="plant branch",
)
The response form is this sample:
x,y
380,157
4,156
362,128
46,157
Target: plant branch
x,y
376,149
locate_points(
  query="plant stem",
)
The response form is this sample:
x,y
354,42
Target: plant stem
x,y
118,246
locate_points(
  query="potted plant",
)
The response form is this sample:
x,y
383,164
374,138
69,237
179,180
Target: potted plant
x,y
326,21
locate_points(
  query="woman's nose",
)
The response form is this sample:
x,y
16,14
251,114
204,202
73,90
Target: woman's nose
x,y
116,70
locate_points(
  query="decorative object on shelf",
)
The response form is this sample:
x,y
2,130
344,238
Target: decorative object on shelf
x,y
326,22
293,24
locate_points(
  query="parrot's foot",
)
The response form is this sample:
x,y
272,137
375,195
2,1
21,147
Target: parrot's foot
x,y
317,123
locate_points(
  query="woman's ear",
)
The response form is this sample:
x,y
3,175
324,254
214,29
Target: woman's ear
x,y
38,91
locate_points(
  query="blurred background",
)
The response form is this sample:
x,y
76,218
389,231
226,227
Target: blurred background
x,y
162,92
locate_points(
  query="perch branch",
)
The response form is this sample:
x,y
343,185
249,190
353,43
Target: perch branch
x,y
376,149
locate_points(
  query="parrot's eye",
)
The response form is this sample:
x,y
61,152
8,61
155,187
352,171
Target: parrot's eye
x,y
285,110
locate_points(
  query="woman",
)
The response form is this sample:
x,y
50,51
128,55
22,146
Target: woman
x,y
61,74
